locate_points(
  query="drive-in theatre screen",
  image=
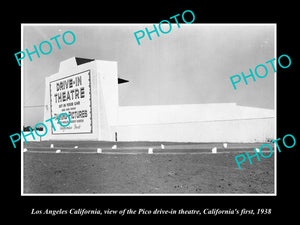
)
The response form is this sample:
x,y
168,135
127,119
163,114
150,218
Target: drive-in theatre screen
x,y
72,95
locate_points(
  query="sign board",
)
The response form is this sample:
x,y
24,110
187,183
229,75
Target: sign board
x,y
72,95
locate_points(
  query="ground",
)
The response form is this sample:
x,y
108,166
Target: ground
x,y
177,169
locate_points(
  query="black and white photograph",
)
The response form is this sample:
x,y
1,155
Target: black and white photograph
x,y
185,112
145,110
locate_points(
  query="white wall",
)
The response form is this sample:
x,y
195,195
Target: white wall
x,y
182,123
196,123
29,136
254,130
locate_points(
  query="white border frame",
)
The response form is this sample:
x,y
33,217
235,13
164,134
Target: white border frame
x,y
164,194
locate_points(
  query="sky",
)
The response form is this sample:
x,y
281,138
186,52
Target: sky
x,y
189,65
